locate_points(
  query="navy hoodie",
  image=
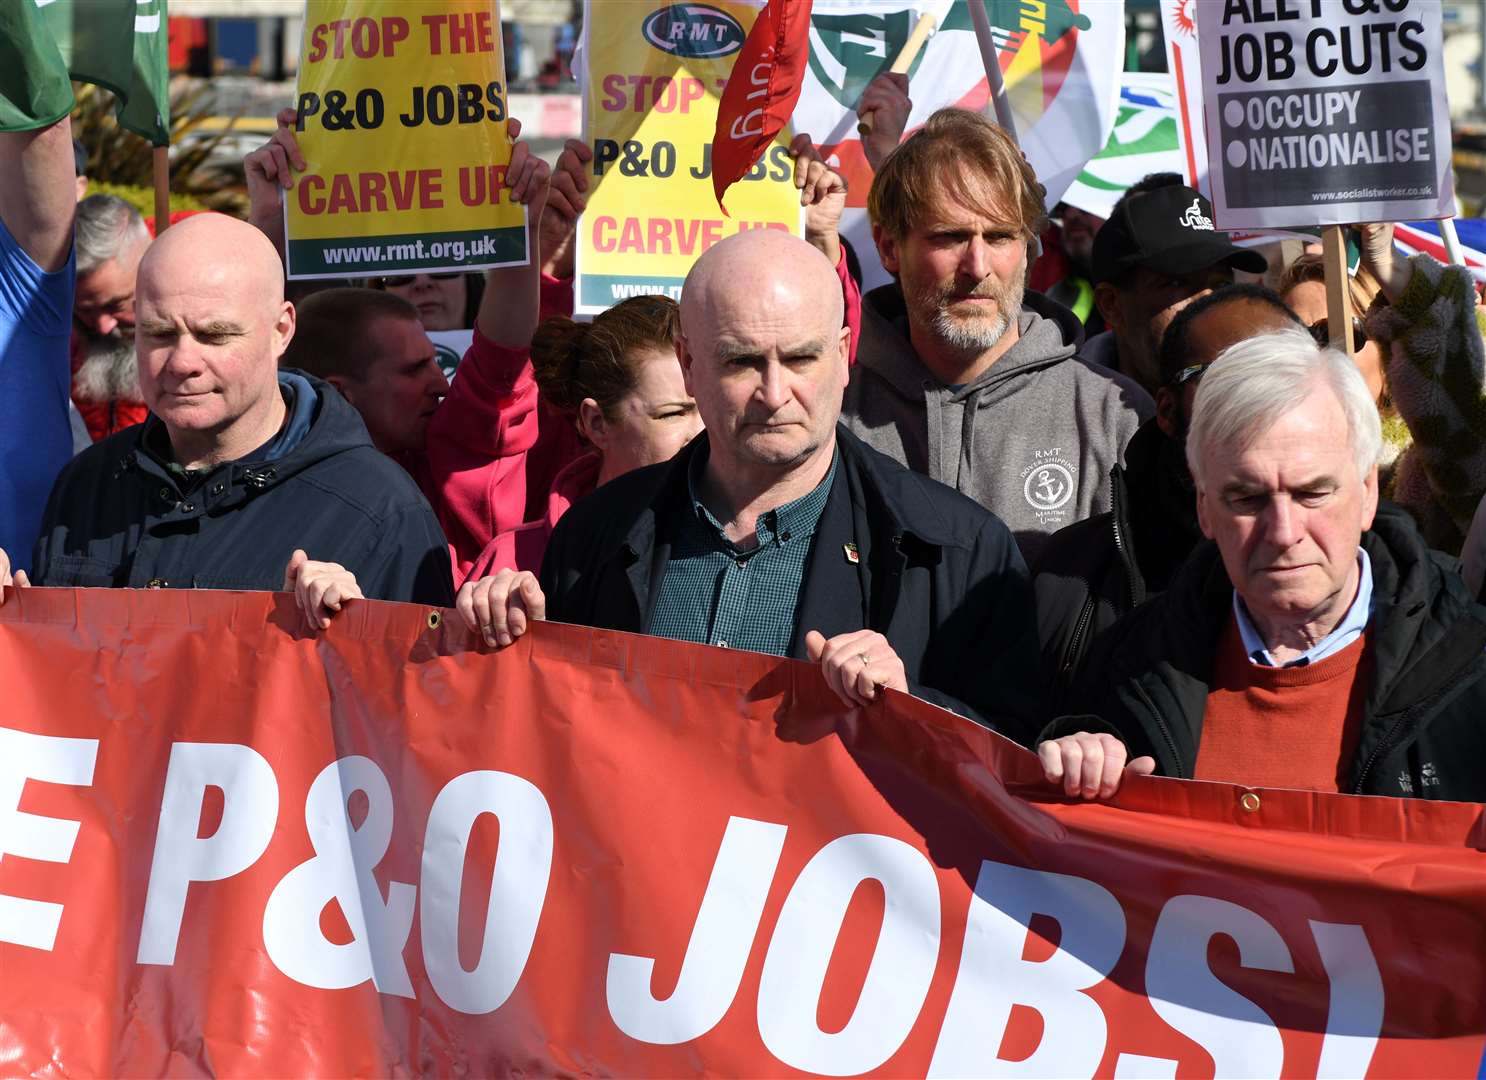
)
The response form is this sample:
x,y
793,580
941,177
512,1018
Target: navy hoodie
x,y
123,515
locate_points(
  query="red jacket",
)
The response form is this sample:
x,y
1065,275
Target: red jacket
x,y
473,468
558,443
523,546
103,418
851,295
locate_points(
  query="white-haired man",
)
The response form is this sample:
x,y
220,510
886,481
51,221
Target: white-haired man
x,y
1318,643
111,241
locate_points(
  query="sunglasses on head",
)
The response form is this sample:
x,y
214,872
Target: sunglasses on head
x,y
1321,332
1188,373
399,281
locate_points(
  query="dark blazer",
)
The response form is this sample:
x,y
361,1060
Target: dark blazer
x,y
937,574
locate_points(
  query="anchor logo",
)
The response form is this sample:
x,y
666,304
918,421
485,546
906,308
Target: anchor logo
x,y
1048,486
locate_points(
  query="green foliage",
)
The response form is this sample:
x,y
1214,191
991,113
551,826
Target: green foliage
x,y
143,198
120,157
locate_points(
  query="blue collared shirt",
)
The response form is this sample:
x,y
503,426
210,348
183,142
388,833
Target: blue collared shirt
x,y
1353,623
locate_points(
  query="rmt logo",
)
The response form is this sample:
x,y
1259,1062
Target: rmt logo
x,y
694,31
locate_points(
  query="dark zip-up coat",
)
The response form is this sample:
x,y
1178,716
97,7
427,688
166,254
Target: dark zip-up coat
x,y
1094,572
1085,580
936,574
118,516
1424,724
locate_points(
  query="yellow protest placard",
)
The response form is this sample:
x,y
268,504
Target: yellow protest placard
x,y
655,72
402,121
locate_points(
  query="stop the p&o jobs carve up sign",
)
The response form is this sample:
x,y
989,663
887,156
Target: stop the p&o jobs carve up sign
x,y
401,116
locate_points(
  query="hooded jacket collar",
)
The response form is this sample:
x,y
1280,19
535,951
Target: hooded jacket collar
x,y
320,424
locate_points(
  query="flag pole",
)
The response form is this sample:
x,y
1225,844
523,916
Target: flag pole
x,y
992,62
162,189
1452,241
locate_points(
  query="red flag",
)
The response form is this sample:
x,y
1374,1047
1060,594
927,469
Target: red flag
x,y
761,92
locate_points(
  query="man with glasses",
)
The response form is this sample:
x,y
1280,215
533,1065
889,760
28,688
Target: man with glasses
x,y
1094,571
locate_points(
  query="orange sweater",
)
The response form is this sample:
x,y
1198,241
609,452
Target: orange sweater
x,y
1292,727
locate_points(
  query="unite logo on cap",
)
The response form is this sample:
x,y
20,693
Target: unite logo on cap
x,y
1194,218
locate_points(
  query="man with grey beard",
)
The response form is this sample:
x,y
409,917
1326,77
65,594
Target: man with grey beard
x,y
111,239
961,373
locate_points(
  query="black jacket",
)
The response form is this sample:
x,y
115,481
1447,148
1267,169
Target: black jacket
x,y
1424,725
120,516
1095,571
938,575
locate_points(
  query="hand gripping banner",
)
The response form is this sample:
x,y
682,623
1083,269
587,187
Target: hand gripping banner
x,y
229,847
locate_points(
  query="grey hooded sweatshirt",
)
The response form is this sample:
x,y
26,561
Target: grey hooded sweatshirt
x,y
1033,439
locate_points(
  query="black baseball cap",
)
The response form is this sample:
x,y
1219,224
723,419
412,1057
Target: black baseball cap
x,y
1169,230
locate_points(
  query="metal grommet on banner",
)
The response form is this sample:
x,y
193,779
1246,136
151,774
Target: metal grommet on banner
x,y
434,619
1249,800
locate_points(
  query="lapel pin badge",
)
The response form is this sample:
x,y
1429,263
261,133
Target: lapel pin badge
x,y
852,555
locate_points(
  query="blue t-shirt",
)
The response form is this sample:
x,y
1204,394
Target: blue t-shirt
x,y
35,383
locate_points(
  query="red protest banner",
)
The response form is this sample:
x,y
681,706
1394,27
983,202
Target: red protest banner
x,y
230,847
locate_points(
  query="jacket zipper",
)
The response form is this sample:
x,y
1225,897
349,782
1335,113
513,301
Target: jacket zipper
x,y
1086,616
1161,724
1076,641
1119,540
1386,743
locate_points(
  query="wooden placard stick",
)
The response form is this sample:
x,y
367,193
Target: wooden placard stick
x,y
1338,296
928,21
162,189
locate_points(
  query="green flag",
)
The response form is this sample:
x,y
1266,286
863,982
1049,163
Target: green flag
x,y
121,45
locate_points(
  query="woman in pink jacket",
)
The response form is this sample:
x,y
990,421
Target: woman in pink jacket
x,y
620,381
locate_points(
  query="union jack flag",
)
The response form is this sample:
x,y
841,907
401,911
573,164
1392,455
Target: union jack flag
x,y
1415,236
